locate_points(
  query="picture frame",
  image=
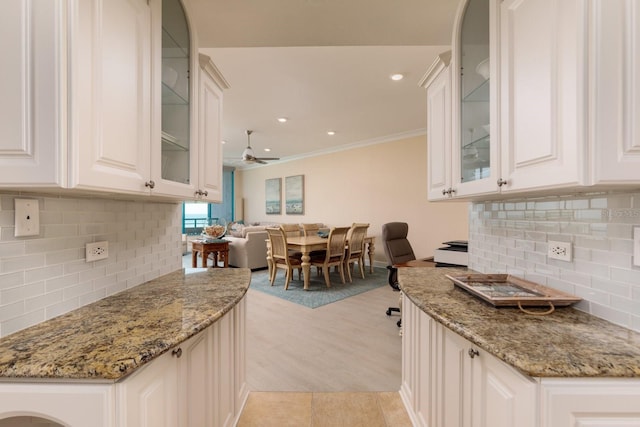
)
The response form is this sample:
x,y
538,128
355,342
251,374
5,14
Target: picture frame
x,y
273,196
294,195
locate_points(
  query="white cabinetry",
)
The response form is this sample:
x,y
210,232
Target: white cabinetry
x,y
543,97
31,146
210,131
449,382
109,94
560,102
150,396
437,82
569,402
86,102
615,101
201,382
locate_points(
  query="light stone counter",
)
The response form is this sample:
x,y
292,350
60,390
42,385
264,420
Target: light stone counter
x,y
566,343
109,339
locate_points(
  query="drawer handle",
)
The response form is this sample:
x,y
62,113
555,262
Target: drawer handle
x,y
473,353
177,352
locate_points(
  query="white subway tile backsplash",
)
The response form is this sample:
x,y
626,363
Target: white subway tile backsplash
x,y
46,275
598,225
16,323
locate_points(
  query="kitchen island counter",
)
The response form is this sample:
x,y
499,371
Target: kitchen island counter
x,y
109,339
565,343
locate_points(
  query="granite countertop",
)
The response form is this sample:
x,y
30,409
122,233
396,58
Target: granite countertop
x,y
109,339
566,343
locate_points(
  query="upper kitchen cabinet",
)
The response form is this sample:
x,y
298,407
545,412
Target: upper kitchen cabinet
x,y
174,154
615,107
103,96
437,82
31,146
543,98
210,131
76,86
109,95
462,108
474,107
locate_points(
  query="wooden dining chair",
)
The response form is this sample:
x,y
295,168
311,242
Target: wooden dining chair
x,y
355,248
280,257
310,229
334,254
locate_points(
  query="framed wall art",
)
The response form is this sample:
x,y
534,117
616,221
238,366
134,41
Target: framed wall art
x,y
273,195
294,195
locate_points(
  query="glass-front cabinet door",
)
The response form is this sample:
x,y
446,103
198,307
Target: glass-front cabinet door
x,y
176,90
474,92
475,161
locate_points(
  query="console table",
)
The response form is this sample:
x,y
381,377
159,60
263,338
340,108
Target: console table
x,y
219,248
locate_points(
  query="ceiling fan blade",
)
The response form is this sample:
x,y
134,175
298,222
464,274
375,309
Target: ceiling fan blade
x,y
262,162
268,158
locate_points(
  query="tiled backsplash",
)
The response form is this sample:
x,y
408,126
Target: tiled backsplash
x,y
45,276
511,237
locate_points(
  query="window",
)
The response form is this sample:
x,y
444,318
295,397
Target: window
x,y
195,215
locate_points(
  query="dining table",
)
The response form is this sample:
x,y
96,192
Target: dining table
x,y
306,245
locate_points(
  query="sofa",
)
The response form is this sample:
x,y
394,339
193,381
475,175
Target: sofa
x,y
248,245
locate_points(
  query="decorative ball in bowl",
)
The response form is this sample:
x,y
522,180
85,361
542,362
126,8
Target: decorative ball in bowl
x,y
216,229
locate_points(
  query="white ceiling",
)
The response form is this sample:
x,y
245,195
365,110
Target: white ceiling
x,y
323,64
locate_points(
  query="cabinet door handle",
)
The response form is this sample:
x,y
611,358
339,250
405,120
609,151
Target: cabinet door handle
x,y
204,193
150,184
177,352
473,353
502,182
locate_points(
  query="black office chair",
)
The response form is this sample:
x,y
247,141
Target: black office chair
x,y
397,250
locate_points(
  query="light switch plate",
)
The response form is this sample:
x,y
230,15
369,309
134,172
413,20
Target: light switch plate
x,y
636,246
27,221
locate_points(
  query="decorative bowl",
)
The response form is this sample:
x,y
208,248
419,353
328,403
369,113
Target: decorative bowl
x,y
483,69
216,228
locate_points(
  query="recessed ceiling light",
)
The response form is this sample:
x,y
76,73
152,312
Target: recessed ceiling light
x,y
331,132
397,77
267,149
223,142
282,119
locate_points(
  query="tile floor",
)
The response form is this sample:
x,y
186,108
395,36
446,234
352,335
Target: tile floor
x,y
337,409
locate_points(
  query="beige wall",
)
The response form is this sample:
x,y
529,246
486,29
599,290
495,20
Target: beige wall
x,y
376,184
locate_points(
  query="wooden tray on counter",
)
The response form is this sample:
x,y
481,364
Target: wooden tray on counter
x,y
503,290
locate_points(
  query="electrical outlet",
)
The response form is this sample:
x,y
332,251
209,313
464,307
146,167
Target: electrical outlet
x,y
97,251
559,250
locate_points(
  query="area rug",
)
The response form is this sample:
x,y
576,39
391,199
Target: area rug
x,y
318,294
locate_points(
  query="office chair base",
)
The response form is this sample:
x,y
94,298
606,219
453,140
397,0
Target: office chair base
x,y
392,309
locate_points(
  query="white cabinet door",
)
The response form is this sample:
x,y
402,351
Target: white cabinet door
x,y
223,372
75,405
110,98
590,402
438,85
542,81
210,128
196,381
30,146
501,397
453,392
149,398
615,126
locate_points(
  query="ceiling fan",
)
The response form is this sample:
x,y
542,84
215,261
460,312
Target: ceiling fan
x,y
247,154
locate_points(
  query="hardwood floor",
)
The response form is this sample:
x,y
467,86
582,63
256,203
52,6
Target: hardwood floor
x,y
335,365
349,345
